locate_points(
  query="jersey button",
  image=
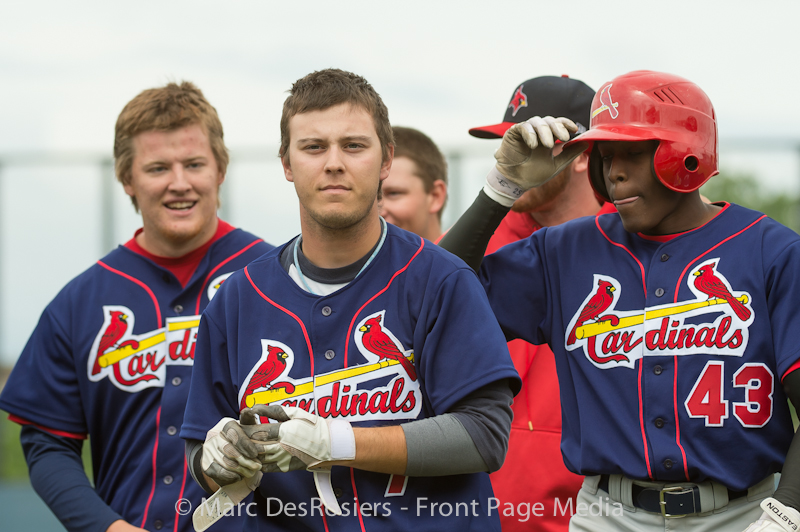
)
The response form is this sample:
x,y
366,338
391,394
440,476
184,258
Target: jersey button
x,y
176,381
172,431
178,309
158,524
329,354
659,423
659,292
168,479
165,278
664,257
338,492
657,370
668,464
326,310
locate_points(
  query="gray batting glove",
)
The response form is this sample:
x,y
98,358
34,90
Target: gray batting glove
x,y
229,455
525,158
299,440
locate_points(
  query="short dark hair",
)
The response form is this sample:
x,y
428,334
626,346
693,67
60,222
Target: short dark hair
x,y
430,164
326,88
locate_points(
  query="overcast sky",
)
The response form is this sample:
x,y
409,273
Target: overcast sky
x,y
68,68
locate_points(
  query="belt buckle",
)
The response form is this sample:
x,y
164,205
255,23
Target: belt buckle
x,y
678,490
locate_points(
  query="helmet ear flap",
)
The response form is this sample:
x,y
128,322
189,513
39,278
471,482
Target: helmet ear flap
x,y
596,173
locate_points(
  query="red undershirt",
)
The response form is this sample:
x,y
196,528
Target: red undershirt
x,y
182,267
667,238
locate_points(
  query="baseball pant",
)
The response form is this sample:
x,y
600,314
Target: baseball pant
x,y
598,511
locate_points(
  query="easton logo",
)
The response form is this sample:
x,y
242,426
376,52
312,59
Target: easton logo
x,y
385,387
611,338
607,103
518,101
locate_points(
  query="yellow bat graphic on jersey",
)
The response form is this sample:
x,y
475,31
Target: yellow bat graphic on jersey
x,y
594,329
148,342
279,394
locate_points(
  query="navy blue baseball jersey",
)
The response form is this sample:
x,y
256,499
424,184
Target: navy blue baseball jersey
x,y
411,336
112,358
670,351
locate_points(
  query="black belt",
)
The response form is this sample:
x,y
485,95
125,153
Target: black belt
x,y
670,501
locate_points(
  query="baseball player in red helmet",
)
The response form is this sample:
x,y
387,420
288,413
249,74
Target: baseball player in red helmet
x,y
674,397
111,358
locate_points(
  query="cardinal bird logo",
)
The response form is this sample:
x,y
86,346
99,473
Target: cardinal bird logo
x,y
112,335
607,103
378,343
268,371
708,283
518,101
595,308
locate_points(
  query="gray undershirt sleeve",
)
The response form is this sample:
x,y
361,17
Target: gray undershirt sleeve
x,y
472,437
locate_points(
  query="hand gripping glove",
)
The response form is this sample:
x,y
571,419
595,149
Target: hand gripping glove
x,y
229,455
777,517
525,158
301,441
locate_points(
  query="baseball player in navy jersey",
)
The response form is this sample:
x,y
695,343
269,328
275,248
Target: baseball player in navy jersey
x,y
111,358
381,379
672,322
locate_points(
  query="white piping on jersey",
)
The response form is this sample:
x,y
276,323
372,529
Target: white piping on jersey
x,y
302,277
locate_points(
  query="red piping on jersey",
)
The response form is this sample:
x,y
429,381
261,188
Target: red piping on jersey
x,y
140,283
290,313
355,494
370,300
641,267
153,489
675,300
641,421
709,250
793,367
218,266
54,432
677,426
641,361
180,497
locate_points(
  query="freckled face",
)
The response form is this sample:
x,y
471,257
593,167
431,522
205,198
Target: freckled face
x,y
175,180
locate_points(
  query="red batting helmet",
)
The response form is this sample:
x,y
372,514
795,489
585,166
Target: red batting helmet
x,y
645,105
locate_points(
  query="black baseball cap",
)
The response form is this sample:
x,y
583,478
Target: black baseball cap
x,y
544,96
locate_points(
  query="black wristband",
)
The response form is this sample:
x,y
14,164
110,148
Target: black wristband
x,y
788,491
470,236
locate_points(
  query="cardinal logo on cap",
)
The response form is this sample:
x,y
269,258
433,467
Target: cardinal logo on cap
x,y
518,101
607,103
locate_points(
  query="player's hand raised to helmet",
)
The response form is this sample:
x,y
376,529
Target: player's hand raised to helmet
x,y
525,158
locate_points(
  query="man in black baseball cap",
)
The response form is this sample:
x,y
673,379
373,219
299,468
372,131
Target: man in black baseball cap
x,y
534,471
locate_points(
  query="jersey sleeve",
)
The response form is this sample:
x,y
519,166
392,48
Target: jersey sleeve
x,y
460,344
212,386
515,280
783,294
44,387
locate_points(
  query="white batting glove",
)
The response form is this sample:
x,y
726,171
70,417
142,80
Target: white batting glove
x,y
525,158
228,454
299,440
777,517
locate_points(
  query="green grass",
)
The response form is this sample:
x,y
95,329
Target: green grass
x,y
12,461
